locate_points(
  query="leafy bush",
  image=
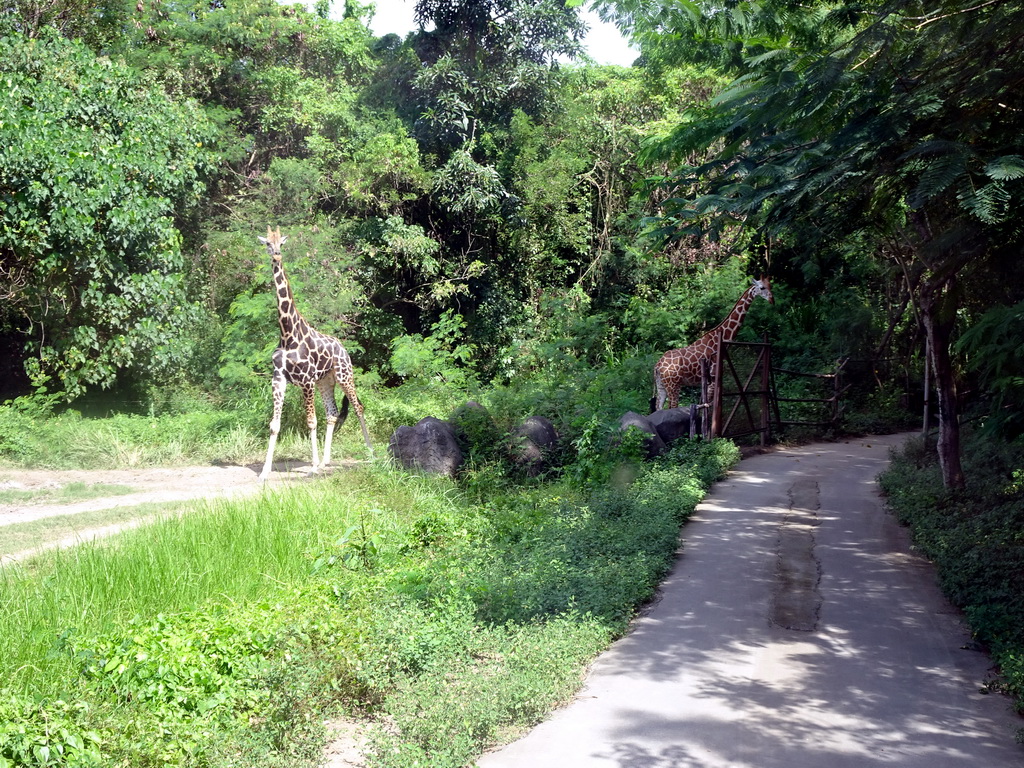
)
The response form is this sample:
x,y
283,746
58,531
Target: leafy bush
x,y
995,351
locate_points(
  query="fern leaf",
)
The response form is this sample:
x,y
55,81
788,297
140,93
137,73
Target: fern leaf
x,y
1005,168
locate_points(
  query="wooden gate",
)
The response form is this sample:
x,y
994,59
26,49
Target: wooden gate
x,y
740,393
739,398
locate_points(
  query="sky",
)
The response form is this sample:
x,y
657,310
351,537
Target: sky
x,y
603,42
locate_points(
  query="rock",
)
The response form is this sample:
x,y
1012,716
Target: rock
x,y
531,444
673,424
653,443
429,446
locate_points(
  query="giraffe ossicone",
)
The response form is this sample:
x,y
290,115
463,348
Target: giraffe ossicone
x,y
310,360
680,368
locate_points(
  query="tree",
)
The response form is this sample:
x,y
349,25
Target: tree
x,y
484,59
95,162
890,121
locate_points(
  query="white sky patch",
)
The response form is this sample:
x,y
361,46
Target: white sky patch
x,y
604,42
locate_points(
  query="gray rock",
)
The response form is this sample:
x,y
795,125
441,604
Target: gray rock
x,y
653,443
531,444
673,424
429,446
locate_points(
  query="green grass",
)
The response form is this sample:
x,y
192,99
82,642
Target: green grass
x,y
446,617
243,550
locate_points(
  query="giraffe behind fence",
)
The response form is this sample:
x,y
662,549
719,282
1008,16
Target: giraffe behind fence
x,y
680,368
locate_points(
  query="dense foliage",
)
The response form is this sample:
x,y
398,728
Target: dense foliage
x,y
479,214
95,162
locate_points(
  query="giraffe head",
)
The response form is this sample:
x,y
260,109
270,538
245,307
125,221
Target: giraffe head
x,y
274,240
763,289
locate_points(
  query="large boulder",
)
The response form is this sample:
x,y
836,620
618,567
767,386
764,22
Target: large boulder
x,y
653,444
531,444
673,424
429,446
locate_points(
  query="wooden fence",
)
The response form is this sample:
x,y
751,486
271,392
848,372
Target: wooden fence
x,y
739,395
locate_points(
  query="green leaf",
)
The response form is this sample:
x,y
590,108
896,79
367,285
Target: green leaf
x,y
1005,168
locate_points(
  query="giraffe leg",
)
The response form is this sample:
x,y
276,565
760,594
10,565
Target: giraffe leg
x,y
308,395
326,387
673,394
659,391
278,386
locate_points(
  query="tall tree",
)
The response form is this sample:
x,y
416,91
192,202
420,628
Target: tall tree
x,y
486,58
95,163
894,121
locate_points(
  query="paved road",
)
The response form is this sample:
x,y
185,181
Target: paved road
x,y
797,630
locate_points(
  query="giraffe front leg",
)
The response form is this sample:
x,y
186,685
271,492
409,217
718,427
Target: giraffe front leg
x,y
279,385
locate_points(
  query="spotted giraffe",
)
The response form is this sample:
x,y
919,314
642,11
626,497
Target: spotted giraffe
x,y
310,360
680,368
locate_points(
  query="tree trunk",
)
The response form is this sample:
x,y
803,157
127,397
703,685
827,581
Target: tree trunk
x,y
938,311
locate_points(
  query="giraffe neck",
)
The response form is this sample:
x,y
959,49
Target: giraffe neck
x,y
288,316
731,325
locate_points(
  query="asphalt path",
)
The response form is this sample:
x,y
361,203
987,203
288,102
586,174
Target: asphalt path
x,y
798,629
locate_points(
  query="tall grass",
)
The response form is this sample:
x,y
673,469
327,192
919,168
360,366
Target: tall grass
x,y
240,551
71,441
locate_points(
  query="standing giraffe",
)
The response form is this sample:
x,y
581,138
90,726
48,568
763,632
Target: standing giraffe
x,y
679,368
310,360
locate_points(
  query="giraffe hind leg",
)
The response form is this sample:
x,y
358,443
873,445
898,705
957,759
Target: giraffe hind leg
x,y
660,392
309,396
334,418
350,392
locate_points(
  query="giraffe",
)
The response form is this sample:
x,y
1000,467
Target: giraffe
x,y
679,368
310,360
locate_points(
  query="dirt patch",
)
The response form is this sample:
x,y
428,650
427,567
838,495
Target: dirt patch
x,y
148,486
347,745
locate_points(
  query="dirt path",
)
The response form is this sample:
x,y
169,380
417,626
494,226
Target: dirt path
x,y
136,487
148,486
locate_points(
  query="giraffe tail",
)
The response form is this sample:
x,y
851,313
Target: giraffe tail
x,y
344,411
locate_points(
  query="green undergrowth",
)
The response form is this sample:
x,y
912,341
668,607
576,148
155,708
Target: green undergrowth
x,y
976,539
446,619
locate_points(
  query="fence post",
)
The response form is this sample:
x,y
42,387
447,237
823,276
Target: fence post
x,y
766,368
705,376
716,399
